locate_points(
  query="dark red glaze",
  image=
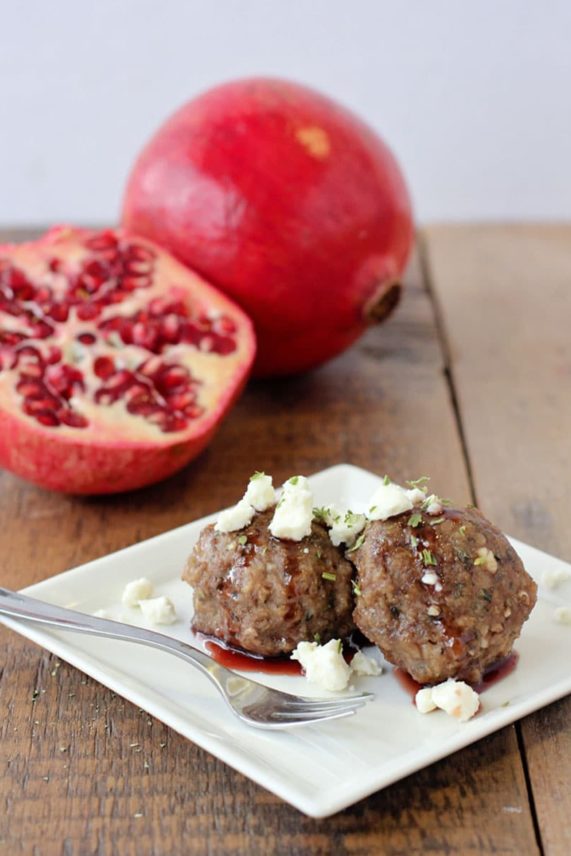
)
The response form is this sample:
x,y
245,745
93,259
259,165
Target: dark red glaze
x,y
286,201
496,673
242,661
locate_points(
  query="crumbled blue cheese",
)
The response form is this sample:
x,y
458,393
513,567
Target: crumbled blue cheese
x,y
456,698
345,526
563,614
423,700
235,518
388,501
136,591
260,493
324,665
433,504
158,610
366,666
554,577
294,512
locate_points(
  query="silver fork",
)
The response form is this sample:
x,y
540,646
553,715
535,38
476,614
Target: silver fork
x,y
252,702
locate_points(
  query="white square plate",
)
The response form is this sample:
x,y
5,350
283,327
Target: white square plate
x,y
319,769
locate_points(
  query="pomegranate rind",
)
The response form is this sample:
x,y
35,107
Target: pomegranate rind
x,y
285,200
108,457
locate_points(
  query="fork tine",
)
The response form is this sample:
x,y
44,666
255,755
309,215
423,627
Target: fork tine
x,y
303,714
310,704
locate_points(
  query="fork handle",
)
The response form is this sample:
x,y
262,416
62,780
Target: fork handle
x,y
19,605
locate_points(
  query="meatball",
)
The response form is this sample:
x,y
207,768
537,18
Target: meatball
x,y
266,594
441,597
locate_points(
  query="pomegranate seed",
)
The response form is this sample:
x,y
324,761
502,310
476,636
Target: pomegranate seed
x,y
30,353
10,337
121,379
182,400
102,241
172,378
31,370
28,387
170,329
73,419
87,338
223,345
175,423
104,396
44,294
55,265
54,355
59,312
41,330
13,309
226,325
48,418
132,282
40,405
193,411
138,268
88,311
104,367
150,367
137,251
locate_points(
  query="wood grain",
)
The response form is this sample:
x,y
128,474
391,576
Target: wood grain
x,y
86,772
511,368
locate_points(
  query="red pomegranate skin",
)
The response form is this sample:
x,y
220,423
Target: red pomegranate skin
x,y
288,203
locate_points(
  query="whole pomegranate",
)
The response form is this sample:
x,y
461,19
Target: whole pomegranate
x,y
116,362
288,203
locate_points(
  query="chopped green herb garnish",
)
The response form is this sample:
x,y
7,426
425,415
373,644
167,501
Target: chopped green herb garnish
x,y
437,521
415,520
486,594
351,519
327,576
428,558
257,475
462,530
242,539
356,589
481,560
339,646
319,554
321,513
446,502
413,542
293,480
423,480
386,480
357,543
317,638
372,509
505,704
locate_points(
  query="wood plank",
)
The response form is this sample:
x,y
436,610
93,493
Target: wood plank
x,y
504,295
75,778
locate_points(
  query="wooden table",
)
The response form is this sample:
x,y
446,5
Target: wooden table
x,y
470,381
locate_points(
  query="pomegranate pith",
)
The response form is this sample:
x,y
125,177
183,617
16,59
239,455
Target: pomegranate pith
x,y
116,362
286,201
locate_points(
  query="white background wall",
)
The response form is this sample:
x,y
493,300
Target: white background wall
x,y
474,97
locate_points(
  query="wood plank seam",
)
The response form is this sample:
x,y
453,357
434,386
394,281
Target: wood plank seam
x,y
427,275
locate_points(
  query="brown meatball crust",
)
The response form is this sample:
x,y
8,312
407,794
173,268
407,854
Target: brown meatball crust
x,y
477,613
265,594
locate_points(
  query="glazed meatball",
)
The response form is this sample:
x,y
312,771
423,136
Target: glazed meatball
x,y
265,594
441,597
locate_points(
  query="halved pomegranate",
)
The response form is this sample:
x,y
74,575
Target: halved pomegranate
x,y
116,362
